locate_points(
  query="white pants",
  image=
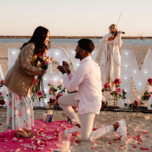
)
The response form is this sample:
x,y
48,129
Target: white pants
x,y
66,102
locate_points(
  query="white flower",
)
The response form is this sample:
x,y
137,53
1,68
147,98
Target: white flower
x,y
149,89
103,99
52,82
138,97
60,81
44,58
128,101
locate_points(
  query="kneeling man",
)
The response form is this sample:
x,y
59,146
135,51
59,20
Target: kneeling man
x,y
88,99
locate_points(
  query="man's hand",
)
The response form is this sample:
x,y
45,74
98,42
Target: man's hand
x,y
61,69
66,65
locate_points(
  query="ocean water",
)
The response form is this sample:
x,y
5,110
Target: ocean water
x,y
74,41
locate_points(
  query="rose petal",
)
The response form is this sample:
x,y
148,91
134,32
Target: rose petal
x,y
77,141
93,147
134,146
121,147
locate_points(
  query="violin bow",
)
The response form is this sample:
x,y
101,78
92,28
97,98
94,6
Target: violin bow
x,y
119,18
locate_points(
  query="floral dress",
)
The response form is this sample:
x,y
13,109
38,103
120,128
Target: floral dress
x,y
19,112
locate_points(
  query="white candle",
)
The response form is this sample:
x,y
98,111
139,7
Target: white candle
x,y
65,144
50,112
44,116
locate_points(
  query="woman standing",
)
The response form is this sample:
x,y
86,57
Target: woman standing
x,y
111,59
19,81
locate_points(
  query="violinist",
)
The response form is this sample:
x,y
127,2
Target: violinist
x,y
111,59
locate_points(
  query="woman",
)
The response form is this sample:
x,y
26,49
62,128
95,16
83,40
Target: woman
x,y
111,60
19,81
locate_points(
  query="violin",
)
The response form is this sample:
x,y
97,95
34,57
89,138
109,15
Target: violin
x,y
116,33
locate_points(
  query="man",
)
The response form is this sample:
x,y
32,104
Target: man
x,y
88,99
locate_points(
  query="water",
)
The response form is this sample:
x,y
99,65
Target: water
x,y
74,41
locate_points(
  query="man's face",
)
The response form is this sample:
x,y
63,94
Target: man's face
x,y
78,52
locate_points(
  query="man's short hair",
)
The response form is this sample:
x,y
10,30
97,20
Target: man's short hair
x,y
86,44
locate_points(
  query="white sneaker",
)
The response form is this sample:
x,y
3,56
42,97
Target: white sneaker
x,y
72,130
122,130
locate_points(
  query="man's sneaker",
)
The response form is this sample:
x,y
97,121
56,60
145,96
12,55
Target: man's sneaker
x,y
122,130
72,130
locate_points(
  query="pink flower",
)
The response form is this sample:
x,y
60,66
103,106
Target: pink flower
x,y
136,103
45,63
103,98
60,81
117,81
44,58
51,58
20,97
35,81
149,95
1,94
10,119
128,101
150,81
10,104
138,97
149,89
40,93
20,114
52,82
119,90
46,51
2,82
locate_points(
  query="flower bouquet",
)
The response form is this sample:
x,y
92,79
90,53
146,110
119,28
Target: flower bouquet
x,y
42,61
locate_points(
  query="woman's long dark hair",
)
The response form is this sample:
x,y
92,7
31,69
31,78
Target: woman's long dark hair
x,y
38,39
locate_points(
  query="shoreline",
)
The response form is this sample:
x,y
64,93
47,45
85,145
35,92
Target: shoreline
x,y
75,37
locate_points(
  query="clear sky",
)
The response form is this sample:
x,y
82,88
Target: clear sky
x,y
75,17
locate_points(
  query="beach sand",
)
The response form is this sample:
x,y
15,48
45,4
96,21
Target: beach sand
x,y
135,127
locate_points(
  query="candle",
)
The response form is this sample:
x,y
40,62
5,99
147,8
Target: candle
x,y
50,112
65,144
44,116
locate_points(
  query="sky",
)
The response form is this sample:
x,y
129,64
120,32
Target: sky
x,y
75,17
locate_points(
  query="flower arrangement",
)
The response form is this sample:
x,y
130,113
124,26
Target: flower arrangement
x,y
2,101
56,93
106,88
118,93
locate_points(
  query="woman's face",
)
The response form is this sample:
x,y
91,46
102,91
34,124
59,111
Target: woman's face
x,y
47,40
112,29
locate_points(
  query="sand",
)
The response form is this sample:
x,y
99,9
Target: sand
x,y
135,127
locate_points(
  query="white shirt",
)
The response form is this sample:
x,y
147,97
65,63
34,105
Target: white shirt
x,y
88,79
